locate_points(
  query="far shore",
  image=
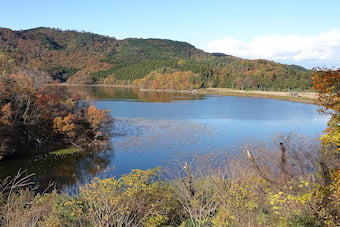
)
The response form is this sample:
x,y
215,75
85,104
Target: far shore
x,y
304,97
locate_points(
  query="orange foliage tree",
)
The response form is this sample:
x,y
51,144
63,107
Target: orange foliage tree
x,y
327,83
39,119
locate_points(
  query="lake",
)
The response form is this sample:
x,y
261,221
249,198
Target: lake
x,y
166,129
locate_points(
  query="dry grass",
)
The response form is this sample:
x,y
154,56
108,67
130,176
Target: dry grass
x,y
304,97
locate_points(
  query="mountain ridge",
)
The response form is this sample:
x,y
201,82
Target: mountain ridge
x,y
88,58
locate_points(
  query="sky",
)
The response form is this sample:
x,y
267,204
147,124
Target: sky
x,y
301,32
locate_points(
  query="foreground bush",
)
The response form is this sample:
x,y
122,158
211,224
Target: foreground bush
x,y
137,199
144,202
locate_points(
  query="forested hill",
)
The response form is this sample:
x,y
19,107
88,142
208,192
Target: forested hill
x,y
83,57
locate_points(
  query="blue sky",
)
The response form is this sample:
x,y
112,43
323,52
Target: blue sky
x,y
303,32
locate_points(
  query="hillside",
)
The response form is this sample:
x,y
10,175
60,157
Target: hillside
x,y
83,57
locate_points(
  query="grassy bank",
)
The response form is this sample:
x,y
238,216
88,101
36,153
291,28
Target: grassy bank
x,y
66,151
304,97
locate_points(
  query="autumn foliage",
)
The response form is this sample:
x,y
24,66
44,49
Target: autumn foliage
x,y
39,119
87,58
178,80
327,83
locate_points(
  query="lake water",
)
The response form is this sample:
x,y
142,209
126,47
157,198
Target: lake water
x,y
162,129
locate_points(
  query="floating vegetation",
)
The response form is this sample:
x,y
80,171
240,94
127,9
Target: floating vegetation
x,y
66,151
127,127
148,135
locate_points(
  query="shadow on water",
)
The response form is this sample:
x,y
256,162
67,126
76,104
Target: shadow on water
x,y
62,170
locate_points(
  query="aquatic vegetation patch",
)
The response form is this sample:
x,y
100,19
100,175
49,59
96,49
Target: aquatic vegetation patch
x,y
66,151
145,135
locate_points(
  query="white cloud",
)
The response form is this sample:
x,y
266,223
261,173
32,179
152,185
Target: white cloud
x,y
317,50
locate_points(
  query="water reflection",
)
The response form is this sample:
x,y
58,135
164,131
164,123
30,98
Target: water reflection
x,y
130,94
65,170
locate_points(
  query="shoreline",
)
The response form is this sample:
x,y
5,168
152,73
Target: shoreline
x,y
303,97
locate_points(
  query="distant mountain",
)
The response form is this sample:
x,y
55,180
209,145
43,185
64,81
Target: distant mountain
x,y
83,57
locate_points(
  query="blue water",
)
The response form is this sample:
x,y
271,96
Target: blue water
x,y
162,129
173,131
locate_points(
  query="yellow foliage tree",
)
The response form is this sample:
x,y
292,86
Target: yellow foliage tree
x,y
65,125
